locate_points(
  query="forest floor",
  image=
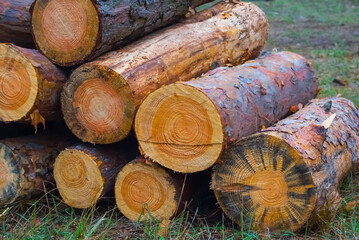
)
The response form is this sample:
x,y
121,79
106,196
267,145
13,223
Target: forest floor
x,y
324,31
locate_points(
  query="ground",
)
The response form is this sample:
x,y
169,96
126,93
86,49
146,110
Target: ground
x,y
324,31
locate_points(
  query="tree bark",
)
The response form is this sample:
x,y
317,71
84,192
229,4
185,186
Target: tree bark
x,y
85,173
26,165
72,32
100,100
291,172
31,85
145,189
186,125
15,22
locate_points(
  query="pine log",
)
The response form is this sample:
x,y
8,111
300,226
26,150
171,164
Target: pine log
x,y
15,22
291,172
26,165
30,85
144,190
85,173
186,125
72,32
101,97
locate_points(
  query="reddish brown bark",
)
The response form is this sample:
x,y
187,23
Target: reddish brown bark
x,y
15,22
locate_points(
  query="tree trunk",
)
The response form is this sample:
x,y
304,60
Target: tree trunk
x,y
31,85
84,173
72,32
291,171
186,125
15,22
144,188
26,165
100,100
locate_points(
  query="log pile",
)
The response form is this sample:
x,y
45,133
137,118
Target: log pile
x,y
193,92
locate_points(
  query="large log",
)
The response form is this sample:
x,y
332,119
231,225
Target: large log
x,y
291,172
26,165
186,125
71,32
85,173
145,190
100,99
15,22
30,85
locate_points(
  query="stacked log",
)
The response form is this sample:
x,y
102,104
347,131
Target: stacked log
x,y
291,172
71,32
26,165
15,23
30,85
185,126
101,97
145,190
85,173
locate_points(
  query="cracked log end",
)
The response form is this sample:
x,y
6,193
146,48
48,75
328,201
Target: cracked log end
x,y
66,31
9,175
143,188
18,84
265,180
179,127
98,105
78,178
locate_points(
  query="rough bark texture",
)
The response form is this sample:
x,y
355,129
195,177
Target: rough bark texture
x,y
26,165
84,173
29,75
301,163
119,22
179,52
15,22
144,187
186,125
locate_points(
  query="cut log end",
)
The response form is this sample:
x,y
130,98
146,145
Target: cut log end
x,y
78,178
18,84
99,108
180,128
65,30
9,175
266,180
141,189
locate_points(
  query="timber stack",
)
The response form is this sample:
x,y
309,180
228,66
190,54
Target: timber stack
x,y
195,91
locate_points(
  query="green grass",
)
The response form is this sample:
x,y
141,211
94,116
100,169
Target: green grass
x,y
324,31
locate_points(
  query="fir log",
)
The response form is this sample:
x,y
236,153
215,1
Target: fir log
x,y
30,85
26,165
85,173
186,125
291,172
144,189
100,99
72,32
15,22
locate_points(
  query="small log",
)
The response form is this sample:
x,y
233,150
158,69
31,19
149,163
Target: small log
x,y
15,22
26,165
291,172
100,99
186,125
85,173
145,189
30,85
72,32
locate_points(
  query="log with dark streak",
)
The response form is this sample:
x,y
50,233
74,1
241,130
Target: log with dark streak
x,y
293,169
